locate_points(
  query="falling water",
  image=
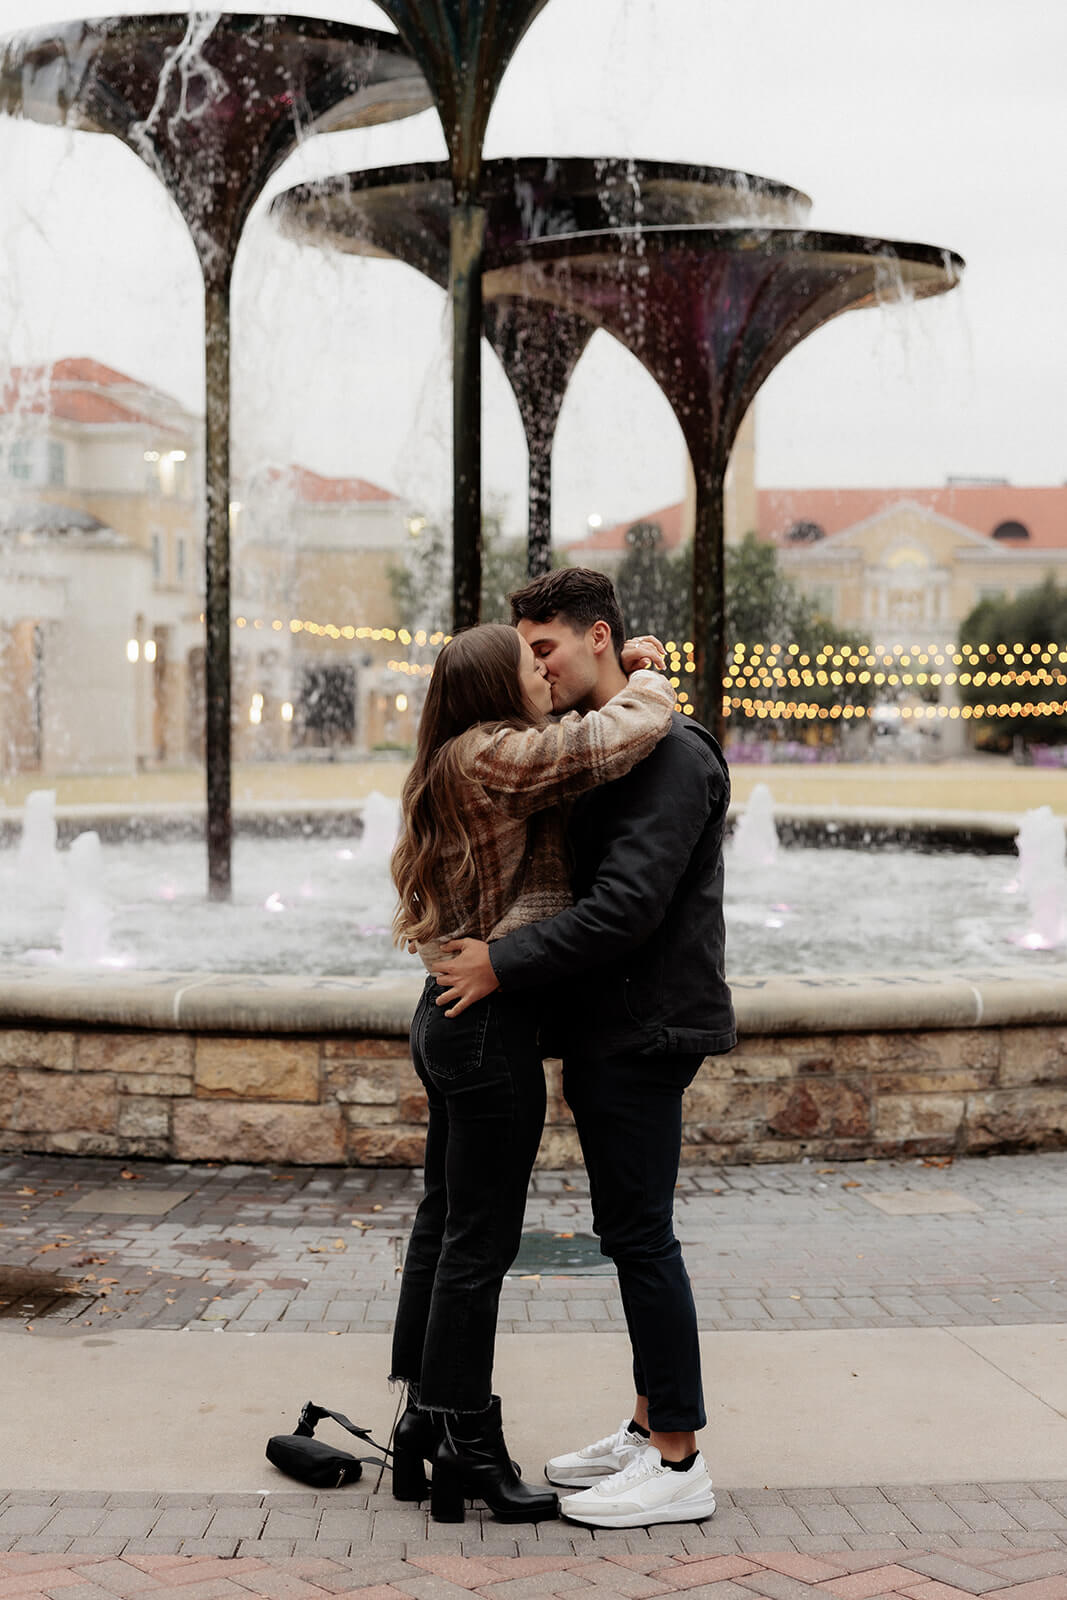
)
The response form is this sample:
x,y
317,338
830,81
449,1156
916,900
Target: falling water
x,y
1041,844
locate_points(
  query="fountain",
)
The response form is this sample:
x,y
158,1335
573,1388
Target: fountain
x,y
537,252
403,213
212,103
755,840
1041,844
710,312
38,867
86,918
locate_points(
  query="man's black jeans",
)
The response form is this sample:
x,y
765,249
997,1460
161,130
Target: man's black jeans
x,y
628,1112
485,1084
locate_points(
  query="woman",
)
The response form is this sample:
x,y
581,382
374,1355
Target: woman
x,y
482,851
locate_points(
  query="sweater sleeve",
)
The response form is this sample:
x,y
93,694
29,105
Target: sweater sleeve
x,y
524,770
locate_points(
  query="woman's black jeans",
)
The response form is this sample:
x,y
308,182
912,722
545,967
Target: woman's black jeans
x,y
485,1084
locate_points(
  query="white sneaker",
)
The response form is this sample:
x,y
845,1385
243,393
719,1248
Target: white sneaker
x,y
596,1461
645,1492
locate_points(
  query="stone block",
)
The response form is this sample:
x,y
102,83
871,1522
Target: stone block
x,y
1032,1055
43,1050
364,1082
386,1147
60,1102
160,1083
412,1106
257,1069
362,1049
8,1091
748,1065
372,1116
77,1144
905,1117
962,1081
220,1130
171,1053
1012,1119
820,1109
143,1117
560,1150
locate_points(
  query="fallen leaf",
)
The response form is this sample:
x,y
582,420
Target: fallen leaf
x,y
335,1333
376,1208
356,1223
130,1177
827,1172
339,1244
26,1191
564,1236
852,1183
794,1297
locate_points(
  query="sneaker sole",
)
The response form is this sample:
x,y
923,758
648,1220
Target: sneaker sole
x,y
689,1511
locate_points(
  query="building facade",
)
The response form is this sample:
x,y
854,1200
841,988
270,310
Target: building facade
x,y
101,589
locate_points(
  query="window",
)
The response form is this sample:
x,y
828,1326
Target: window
x,y
179,559
806,533
57,464
20,460
157,556
1011,530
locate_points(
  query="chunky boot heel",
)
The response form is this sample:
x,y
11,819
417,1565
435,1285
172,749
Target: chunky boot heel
x,y
409,1475
472,1459
415,1440
446,1496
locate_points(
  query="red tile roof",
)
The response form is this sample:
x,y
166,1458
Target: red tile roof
x,y
980,507
314,489
670,519
69,391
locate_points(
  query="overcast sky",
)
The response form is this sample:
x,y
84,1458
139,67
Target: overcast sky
x,y
941,121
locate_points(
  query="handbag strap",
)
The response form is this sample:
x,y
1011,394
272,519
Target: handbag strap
x,y
313,1414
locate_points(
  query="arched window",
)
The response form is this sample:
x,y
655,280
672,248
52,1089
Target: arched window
x,y
1011,530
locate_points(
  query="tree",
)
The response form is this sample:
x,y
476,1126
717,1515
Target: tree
x,y
421,584
1012,657
655,589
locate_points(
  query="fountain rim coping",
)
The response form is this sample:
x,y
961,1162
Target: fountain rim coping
x,y
996,824
247,1003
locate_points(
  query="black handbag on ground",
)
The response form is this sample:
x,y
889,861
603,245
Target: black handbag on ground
x,y
300,1455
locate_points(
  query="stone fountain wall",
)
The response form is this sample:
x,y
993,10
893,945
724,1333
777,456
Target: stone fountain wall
x,y
272,1070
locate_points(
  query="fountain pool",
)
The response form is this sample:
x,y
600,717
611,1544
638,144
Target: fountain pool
x,y
322,906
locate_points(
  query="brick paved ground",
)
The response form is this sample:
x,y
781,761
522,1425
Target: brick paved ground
x,y
775,1247
769,1247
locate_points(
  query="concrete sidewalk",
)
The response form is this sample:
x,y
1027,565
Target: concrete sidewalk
x,y
885,1361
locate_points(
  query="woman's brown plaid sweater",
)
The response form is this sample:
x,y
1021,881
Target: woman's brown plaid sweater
x,y
518,783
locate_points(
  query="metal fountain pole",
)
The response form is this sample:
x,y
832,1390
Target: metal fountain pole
x,y
217,667
709,594
466,264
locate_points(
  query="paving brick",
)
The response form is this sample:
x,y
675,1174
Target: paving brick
x,y
951,1571
866,1585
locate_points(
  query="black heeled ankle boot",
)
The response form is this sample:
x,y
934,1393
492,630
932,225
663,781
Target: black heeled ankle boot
x,y
415,1441
472,1460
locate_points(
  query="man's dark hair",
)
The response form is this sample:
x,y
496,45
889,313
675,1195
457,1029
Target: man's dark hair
x,y
578,596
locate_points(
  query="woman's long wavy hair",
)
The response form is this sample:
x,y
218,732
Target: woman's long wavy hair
x,y
475,680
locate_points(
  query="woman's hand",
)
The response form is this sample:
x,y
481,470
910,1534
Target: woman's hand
x,y
646,651
466,974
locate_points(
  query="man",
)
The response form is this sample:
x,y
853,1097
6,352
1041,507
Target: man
x,y
646,936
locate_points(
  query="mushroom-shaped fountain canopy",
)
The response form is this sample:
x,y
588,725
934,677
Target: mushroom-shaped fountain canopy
x,y
212,102
464,48
710,312
404,213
